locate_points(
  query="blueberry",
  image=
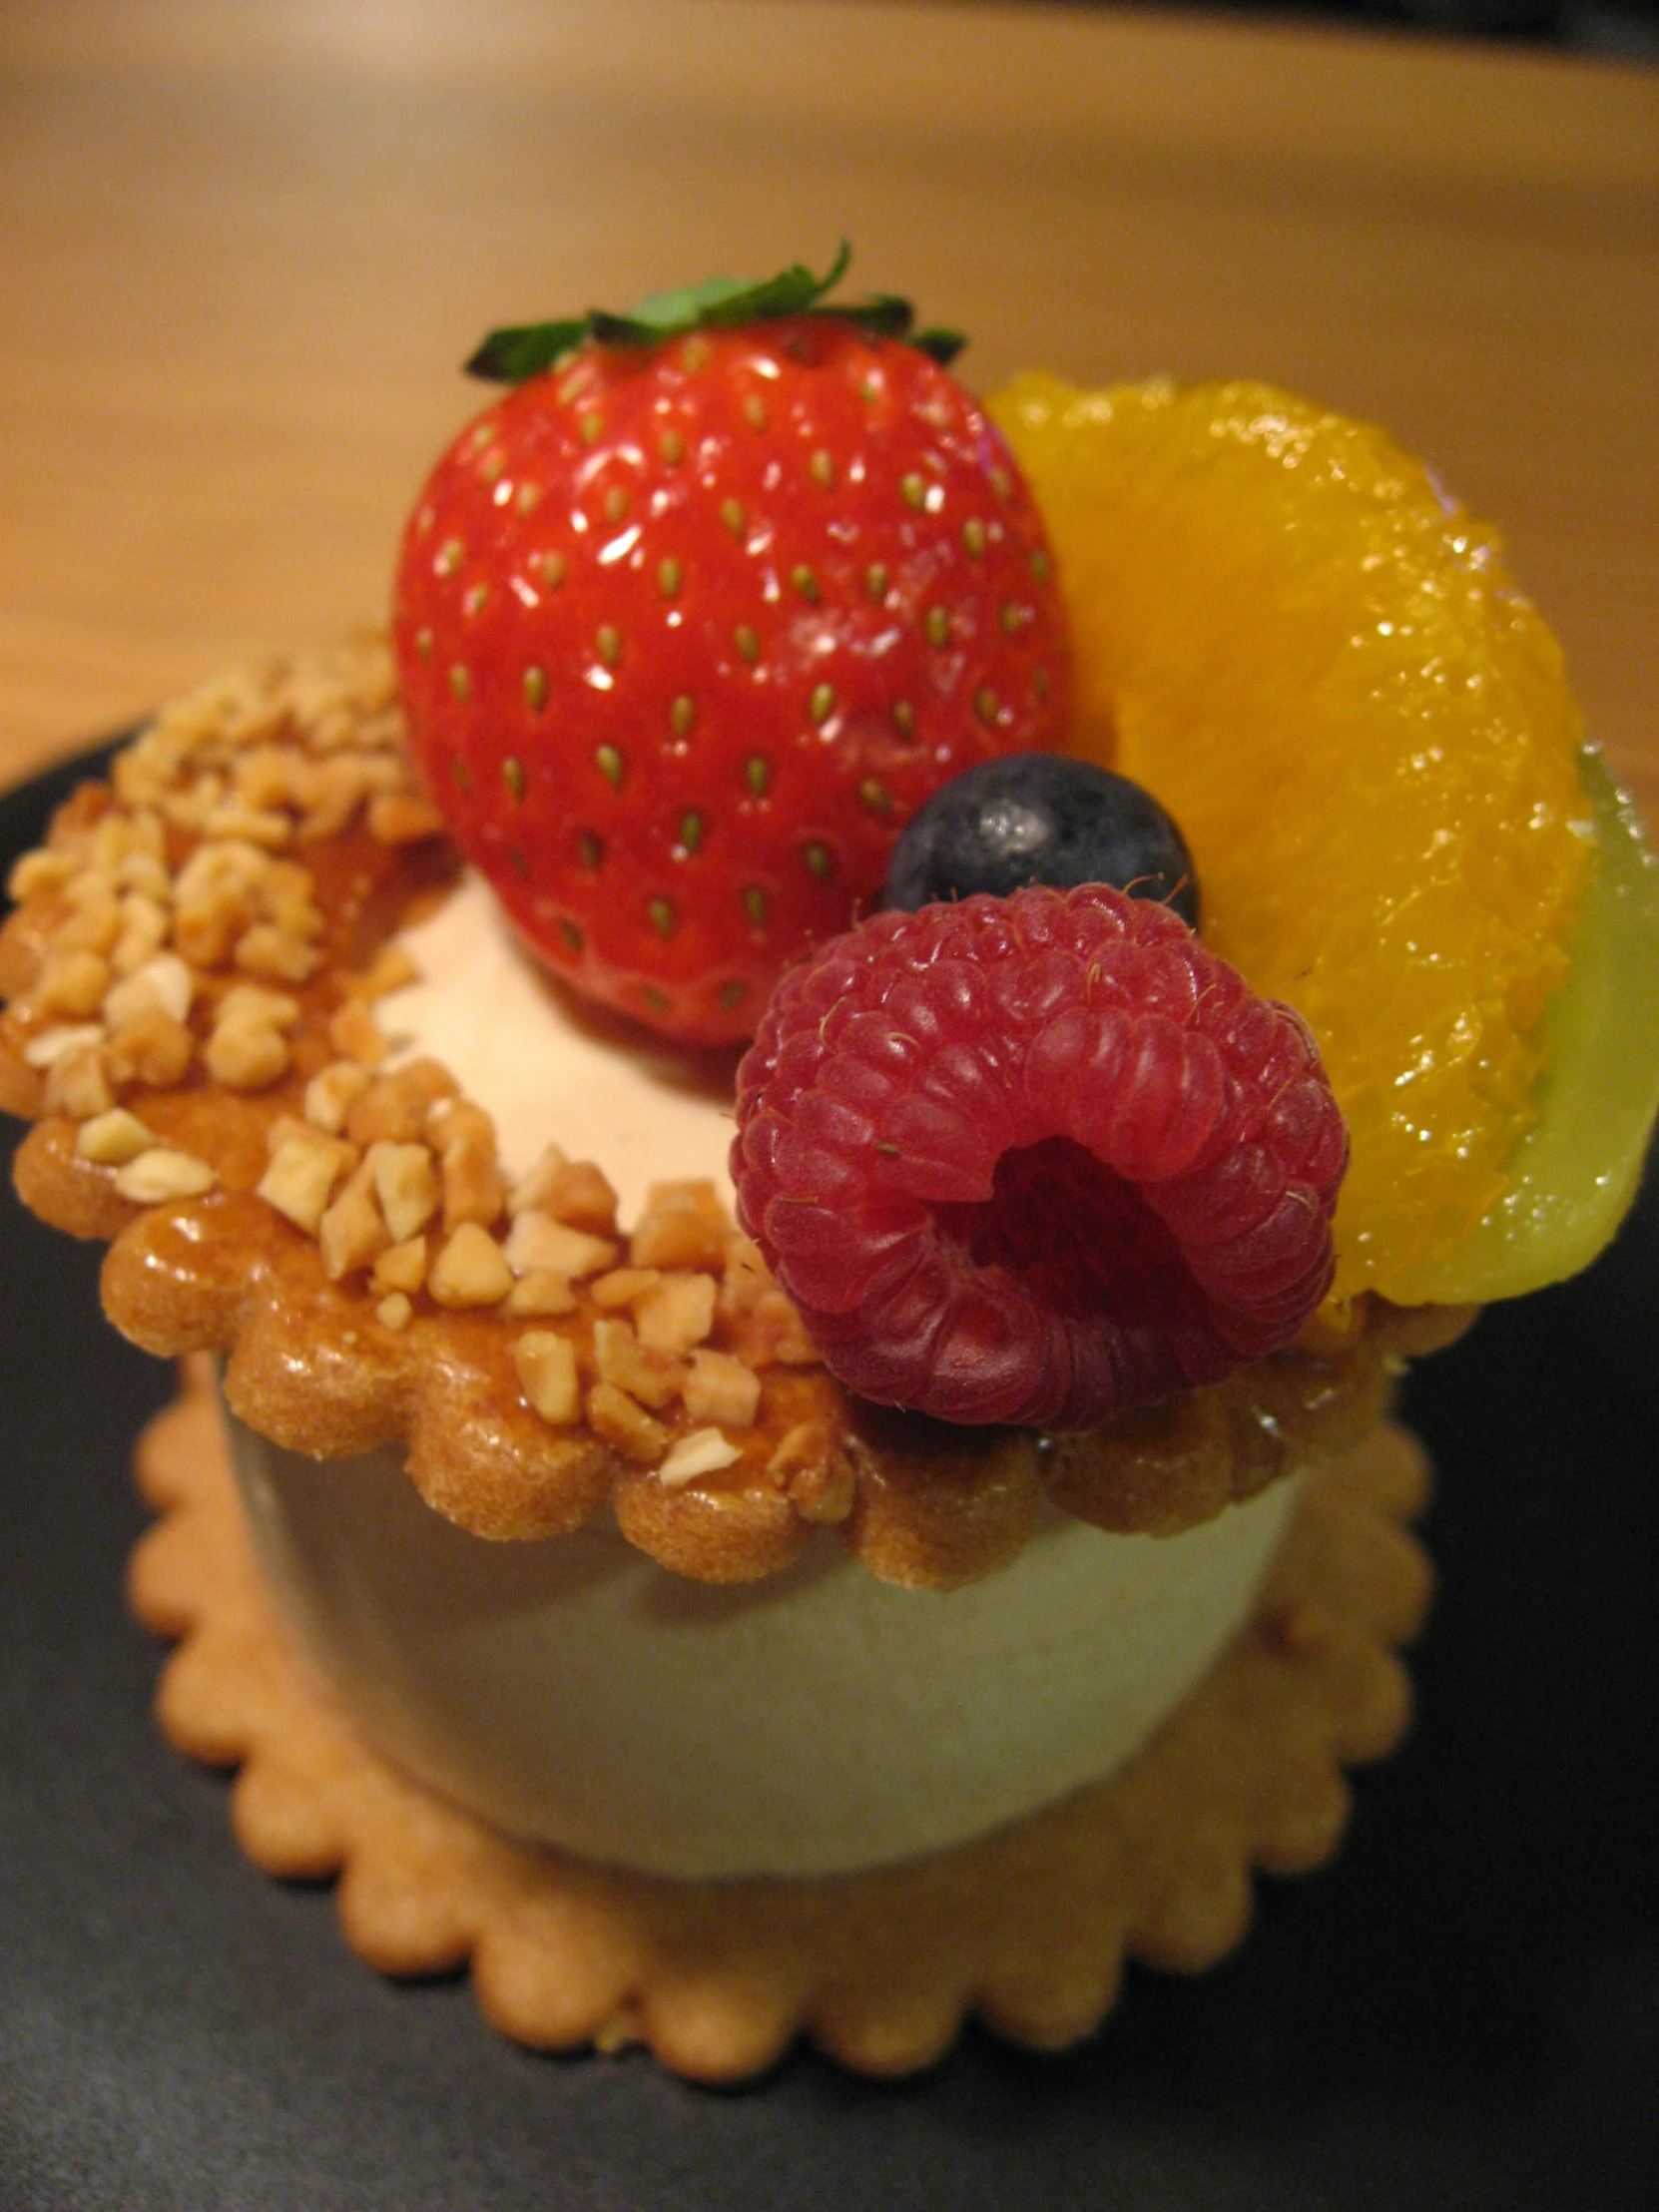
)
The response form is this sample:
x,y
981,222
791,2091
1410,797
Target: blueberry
x,y
1039,817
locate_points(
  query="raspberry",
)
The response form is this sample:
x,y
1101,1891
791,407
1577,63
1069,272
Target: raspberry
x,y
1036,1159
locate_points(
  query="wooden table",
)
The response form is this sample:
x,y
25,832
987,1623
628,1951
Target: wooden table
x,y
244,248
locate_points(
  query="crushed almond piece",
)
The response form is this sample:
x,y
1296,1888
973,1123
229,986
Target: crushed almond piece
x,y
722,1389
261,826
352,1232
95,923
78,1085
541,1292
246,1055
401,817
676,1314
331,1092
547,1375
654,1378
814,1472
703,1452
112,1139
152,1048
356,1034
142,932
402,1266
470,1270
277,954
393,1108
473,1188
71,984
394,1312
406,1183
537,1242
684,1226
164,981
745,1278
572,1191
37,873
51,1044
160,1174
775,1332
622,1422
622,1286
252,1003
301,1176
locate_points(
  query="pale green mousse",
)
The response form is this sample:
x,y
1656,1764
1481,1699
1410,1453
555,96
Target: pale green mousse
x,y
1572,1177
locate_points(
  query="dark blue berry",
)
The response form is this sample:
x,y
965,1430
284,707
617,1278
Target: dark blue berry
x,y
1039,817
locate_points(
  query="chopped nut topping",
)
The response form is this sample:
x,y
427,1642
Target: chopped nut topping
x,y
164,981
112,1139
152,1048
814,1472
78,1084
71,984
406,1183
721,1389
703,1452
654,1378
470,1270
676,1314
536,1243
541,1292
329,1094
546,1365
301,1176
613,1414
394,1312
355,1033
51,1044
246,1055
37,873
474,1190
402,1266
401,817
352,1232
278,954
622,1286
393,1108
684,1226
571,1191
160,1174
390,970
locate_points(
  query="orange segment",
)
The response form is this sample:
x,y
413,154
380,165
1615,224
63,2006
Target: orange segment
x,y
1318,661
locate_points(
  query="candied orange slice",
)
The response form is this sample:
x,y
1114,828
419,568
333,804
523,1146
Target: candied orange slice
x,y
1317,661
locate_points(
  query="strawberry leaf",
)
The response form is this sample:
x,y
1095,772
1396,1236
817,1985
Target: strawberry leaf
x,y
521,350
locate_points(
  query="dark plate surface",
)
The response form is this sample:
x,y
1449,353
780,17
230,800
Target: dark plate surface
x,y
1462,2011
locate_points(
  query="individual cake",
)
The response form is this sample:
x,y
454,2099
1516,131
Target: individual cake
x,y
917,1504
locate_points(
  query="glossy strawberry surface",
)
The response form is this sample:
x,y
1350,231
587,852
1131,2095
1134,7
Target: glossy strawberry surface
x,y
687,632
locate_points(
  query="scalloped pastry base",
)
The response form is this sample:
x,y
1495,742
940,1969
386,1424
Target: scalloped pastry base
x,y
1027,1927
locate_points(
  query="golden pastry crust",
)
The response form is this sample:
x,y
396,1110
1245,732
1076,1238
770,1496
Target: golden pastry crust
x,y
192,971
1028,1928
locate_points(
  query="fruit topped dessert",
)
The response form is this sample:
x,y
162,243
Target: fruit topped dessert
x,y
1182,962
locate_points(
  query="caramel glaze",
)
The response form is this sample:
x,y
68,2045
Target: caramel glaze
x,y
310,1363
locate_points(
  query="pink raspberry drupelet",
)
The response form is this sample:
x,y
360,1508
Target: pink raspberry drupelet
x,y
1036,1159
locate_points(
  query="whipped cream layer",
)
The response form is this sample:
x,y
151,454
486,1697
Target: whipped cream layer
x,y
574,1692
546,1066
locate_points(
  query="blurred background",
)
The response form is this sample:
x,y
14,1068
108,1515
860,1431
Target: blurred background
x,y
244,246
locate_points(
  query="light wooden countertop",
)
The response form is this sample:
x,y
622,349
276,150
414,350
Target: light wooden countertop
x,y
244,249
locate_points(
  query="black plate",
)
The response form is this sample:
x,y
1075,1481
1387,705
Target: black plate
x,y
1464,2011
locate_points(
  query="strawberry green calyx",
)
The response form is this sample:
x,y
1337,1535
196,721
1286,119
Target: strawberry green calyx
x,y
513,354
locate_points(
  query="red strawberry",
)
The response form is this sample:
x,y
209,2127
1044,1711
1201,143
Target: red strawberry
x,y
689,627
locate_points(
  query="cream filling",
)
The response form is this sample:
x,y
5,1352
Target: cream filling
x,y
574,1692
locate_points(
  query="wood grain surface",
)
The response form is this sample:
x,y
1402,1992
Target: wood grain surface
x,y
243,247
